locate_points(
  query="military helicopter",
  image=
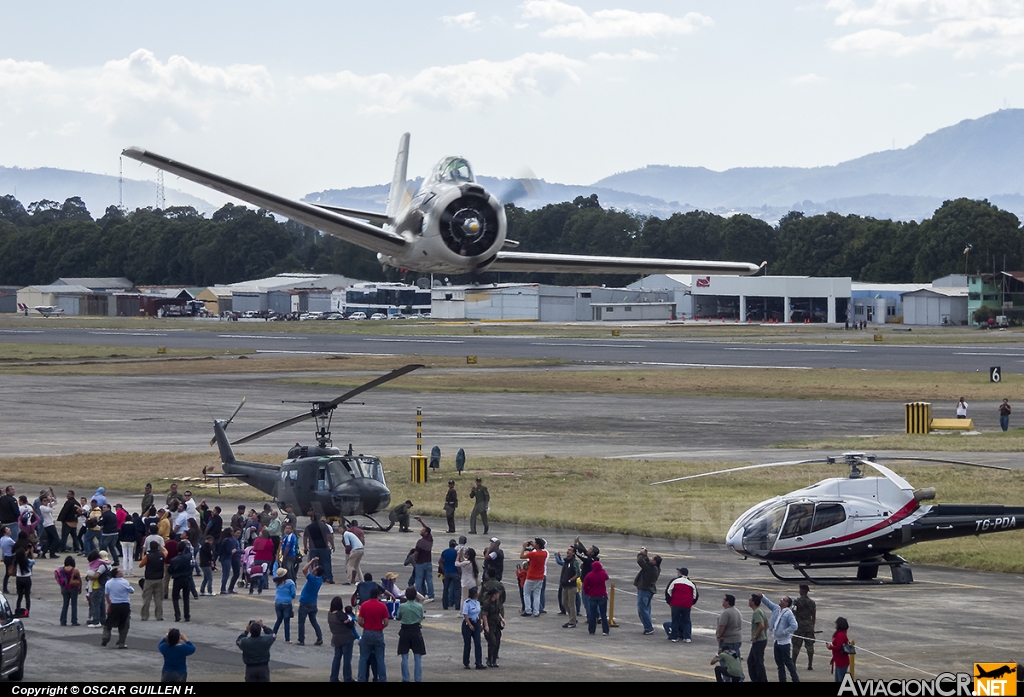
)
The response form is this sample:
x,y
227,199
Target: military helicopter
x,y
855,523
321,477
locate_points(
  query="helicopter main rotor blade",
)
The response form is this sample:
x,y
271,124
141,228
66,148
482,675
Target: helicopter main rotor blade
x,y
947,462
370,385
747,467
328,406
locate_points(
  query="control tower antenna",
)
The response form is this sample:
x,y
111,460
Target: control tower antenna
x,y
160,201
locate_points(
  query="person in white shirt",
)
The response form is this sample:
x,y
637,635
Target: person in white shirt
x,y
354,549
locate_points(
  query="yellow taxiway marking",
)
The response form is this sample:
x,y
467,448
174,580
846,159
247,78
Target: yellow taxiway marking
x,y
585,654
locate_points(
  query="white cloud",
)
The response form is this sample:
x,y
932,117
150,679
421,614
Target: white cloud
x,y
472,85
1010,69
131,91
808,79
964,27
467,20
575,23
634,55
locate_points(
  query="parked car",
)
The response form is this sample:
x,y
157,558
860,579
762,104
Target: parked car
x,y
357,315
379,315
13,643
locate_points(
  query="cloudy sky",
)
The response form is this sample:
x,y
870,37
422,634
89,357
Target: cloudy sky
x,y
306,96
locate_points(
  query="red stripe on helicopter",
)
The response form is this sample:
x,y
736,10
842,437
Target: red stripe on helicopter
x,y
896,517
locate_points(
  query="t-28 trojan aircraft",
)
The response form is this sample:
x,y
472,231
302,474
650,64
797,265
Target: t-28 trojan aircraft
x,y
452,225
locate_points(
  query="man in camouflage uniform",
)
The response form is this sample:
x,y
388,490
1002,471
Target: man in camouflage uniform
x,y
806,613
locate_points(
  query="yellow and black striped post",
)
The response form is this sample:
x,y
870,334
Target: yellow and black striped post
x,y
918,416
418,462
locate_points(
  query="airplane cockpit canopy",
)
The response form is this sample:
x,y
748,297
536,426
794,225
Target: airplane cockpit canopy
x,y
451,170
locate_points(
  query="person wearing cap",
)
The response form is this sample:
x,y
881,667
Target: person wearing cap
x,y
680,594
492,611
451,502
423,570
483,502
147,499
494,558
400,514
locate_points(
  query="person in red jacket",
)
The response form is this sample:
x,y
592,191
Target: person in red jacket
x,y
680,595
594,585
840,659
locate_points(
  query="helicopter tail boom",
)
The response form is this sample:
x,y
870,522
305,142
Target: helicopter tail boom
x,y
227,455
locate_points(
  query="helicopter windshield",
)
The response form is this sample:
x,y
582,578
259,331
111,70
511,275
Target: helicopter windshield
x,y
374,469
761,528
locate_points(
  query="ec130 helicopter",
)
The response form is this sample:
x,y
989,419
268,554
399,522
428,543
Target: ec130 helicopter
x,y
856,522
318,477
452,225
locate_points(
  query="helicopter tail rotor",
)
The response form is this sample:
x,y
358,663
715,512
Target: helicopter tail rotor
x,y
230,419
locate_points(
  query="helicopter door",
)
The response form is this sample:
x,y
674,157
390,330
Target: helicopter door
x,y
798,521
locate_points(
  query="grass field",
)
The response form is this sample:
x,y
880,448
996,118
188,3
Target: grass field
x,y
13,354
798,333
880,385
587,494
988,442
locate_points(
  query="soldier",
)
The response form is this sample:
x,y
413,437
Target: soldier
x,y
806,613
400,514
483,501
451,502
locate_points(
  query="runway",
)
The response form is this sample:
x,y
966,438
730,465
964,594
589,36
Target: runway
x,y
746,352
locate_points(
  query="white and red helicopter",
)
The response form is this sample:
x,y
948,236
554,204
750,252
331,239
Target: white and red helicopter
x,y
452,225
856,522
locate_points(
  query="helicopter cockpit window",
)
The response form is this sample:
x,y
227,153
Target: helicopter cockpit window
x,y
374,469
798,522
321,479
293,474
761,529
828,514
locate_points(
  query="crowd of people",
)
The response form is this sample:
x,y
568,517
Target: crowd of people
x,y
171,543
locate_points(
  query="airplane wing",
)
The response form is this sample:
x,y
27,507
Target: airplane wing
x,y
319,217
575,263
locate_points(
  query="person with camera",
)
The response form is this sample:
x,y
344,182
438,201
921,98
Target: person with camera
x,y
533,588
255,643
175,648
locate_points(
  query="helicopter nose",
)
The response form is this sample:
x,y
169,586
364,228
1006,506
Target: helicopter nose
x,y
734,540
375,496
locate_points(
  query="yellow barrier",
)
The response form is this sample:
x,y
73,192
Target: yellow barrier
x,y
918,416
952,424
419,469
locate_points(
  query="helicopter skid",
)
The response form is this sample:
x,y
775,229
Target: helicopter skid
x,y
379,528
867,572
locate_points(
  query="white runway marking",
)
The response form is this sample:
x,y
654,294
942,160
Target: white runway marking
x,y
585,345
323,353
262,336
983,353
21,331
792,350
104,332
417,341
724,365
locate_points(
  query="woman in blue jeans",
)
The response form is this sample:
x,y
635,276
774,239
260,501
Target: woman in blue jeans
x,y
283,597
230,553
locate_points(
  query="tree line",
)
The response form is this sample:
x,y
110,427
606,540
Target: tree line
x,y
179,246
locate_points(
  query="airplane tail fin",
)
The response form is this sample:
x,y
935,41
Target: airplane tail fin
x,y
398,181
227,455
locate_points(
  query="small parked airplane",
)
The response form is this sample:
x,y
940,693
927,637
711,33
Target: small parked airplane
x,y
44,310
452,225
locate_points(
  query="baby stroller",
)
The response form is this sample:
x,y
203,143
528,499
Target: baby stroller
x,y
248,559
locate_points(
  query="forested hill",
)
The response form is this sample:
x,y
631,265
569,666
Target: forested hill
x,y
178,246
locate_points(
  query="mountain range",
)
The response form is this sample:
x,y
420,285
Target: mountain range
x,y
976,158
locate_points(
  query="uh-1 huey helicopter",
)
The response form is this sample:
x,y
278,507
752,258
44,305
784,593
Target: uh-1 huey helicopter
x,y
318,477
856,522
